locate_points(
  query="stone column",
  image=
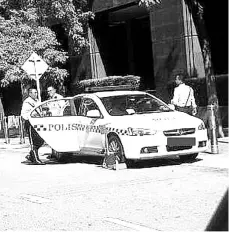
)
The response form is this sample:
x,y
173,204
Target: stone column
x,y
168,44
195,64
97,66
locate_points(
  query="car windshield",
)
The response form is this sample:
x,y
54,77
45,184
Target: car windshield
x,y
133,104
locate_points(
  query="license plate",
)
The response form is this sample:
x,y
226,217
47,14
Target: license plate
x,y
181,141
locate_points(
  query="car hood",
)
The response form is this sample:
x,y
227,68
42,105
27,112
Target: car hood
x,y
157,121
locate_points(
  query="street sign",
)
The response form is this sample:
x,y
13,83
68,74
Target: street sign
x,y
35,66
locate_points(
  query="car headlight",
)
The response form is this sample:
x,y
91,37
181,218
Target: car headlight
x,y
141,131
201,126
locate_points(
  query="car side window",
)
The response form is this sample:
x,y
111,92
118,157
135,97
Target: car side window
x,y
86,105
53,108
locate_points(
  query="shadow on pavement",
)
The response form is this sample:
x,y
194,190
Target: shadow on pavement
x,y
69,158
98,160
161,162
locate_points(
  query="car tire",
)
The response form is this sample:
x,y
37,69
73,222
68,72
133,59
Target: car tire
x,y
130,163
115,145
185,158
56,155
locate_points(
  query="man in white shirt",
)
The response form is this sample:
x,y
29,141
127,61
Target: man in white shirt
x,y
52,93
55,107
183,97
35,140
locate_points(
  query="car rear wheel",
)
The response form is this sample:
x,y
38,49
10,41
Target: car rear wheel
x,y
130,163
185,158
56,155
115,146
61,156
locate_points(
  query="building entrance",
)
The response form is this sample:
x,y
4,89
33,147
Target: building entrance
x,y
142,51
124,43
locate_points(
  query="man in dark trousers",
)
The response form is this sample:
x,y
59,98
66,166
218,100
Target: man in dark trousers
x,y
35,140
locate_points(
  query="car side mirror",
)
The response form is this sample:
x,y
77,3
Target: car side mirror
x,y
93,114
171,106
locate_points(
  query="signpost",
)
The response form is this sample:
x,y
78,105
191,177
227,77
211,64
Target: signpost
x,y
35,66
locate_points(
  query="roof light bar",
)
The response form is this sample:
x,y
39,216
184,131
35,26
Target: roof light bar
x,y
110,88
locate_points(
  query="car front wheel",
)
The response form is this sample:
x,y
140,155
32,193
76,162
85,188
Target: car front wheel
x,y
115,146
185,158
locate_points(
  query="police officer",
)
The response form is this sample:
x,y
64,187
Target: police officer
x,y
35,140
52,93
54,107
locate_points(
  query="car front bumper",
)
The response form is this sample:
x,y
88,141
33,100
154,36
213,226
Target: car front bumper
x,y
158,145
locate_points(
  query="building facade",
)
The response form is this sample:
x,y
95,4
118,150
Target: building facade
x,y
154,44
126,39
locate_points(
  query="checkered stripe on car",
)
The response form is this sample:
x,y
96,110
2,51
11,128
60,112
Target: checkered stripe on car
x,y
80,127
40,127
89,128
118,131
99,129
95,129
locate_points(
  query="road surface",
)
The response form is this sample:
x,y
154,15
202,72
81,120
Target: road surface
x,y
160,195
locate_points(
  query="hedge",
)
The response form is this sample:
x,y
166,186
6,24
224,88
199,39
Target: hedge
x,y
198,85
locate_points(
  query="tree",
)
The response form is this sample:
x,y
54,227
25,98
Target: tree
x,y
148,3
197,10
73,15
25,26
197,13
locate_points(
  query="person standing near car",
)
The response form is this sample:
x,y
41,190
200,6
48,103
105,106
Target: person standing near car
x,y
52,94
34,139
118,107
183,98
55,107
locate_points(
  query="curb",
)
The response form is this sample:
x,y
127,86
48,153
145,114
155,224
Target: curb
x,y
15,143
223,140
223,147
14,146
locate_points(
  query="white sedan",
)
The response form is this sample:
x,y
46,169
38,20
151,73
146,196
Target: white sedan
x,y
132,124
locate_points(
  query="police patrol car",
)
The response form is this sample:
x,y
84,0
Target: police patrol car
x,y
134,125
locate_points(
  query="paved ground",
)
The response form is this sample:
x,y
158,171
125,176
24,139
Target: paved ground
x,y
208,156
163,195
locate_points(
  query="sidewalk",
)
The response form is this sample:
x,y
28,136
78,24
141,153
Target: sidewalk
x,y
223,146
14,143
219,160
